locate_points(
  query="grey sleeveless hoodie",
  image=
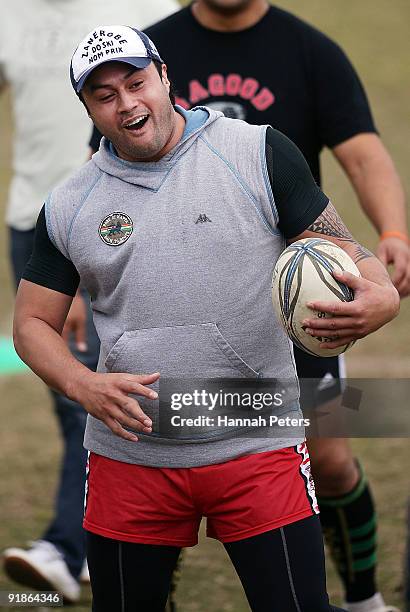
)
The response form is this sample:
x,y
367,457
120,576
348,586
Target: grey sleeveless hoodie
x,y
186,298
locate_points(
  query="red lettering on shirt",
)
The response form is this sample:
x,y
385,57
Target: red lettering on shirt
x,y
182,102
233,84
263,100
216,85
249,88
197,92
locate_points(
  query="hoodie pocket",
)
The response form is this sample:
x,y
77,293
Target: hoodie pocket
x,y
184,351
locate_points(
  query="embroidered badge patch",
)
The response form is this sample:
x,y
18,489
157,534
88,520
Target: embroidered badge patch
x,y
116,228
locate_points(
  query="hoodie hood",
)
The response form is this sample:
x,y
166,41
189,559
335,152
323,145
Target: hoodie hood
x,y
152,174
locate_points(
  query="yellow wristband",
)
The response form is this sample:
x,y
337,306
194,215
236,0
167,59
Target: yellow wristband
x,y
394,234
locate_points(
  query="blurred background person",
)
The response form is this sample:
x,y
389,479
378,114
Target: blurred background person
x,y
261,64
50,137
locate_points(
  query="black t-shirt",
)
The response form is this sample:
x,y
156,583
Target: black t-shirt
x,y
281,72
298,200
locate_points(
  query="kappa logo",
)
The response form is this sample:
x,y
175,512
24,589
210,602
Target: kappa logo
x,y
203,219
116,228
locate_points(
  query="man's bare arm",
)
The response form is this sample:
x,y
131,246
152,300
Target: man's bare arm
x,y
330,226
376,300
38,323
372,173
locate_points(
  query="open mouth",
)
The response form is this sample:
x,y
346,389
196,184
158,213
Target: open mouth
x,y
137,123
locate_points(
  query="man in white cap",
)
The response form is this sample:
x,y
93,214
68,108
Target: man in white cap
x,y
184,300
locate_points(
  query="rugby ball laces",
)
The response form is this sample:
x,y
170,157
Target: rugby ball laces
x,y
302,274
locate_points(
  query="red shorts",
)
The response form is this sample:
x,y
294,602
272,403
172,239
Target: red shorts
x,y
240,498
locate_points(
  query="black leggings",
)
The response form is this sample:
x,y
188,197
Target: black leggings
x,y
281,571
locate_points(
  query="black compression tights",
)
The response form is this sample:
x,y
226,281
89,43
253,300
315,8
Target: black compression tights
x,y
281,571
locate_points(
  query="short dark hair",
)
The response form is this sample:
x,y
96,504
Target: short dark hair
x,y
158,66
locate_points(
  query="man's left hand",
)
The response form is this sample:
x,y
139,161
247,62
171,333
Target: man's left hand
x,y
373,306
397,253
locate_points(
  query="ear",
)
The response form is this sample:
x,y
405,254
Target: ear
x,y
165,79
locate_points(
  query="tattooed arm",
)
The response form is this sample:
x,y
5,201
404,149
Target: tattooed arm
x,y
305,212
376,300
331,227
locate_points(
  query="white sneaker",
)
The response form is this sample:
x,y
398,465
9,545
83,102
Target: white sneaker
x,y
374,604
41,567
85,574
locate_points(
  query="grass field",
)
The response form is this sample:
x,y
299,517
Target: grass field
x,y
375,35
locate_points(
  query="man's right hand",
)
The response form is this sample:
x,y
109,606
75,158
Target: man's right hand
x,y
106,397
396,252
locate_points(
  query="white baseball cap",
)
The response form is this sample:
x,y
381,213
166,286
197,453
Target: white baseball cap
x,y
114,43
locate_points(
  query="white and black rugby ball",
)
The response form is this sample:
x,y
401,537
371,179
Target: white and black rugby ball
x,y
303,273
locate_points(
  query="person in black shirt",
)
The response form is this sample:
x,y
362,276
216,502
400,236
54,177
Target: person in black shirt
x,y
261,64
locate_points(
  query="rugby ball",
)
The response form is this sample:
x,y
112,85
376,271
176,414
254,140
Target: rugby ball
x,y
303,273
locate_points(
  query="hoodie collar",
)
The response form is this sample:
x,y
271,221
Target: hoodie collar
x,y
152,174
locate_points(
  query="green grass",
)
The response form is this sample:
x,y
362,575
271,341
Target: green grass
x,y
375,36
